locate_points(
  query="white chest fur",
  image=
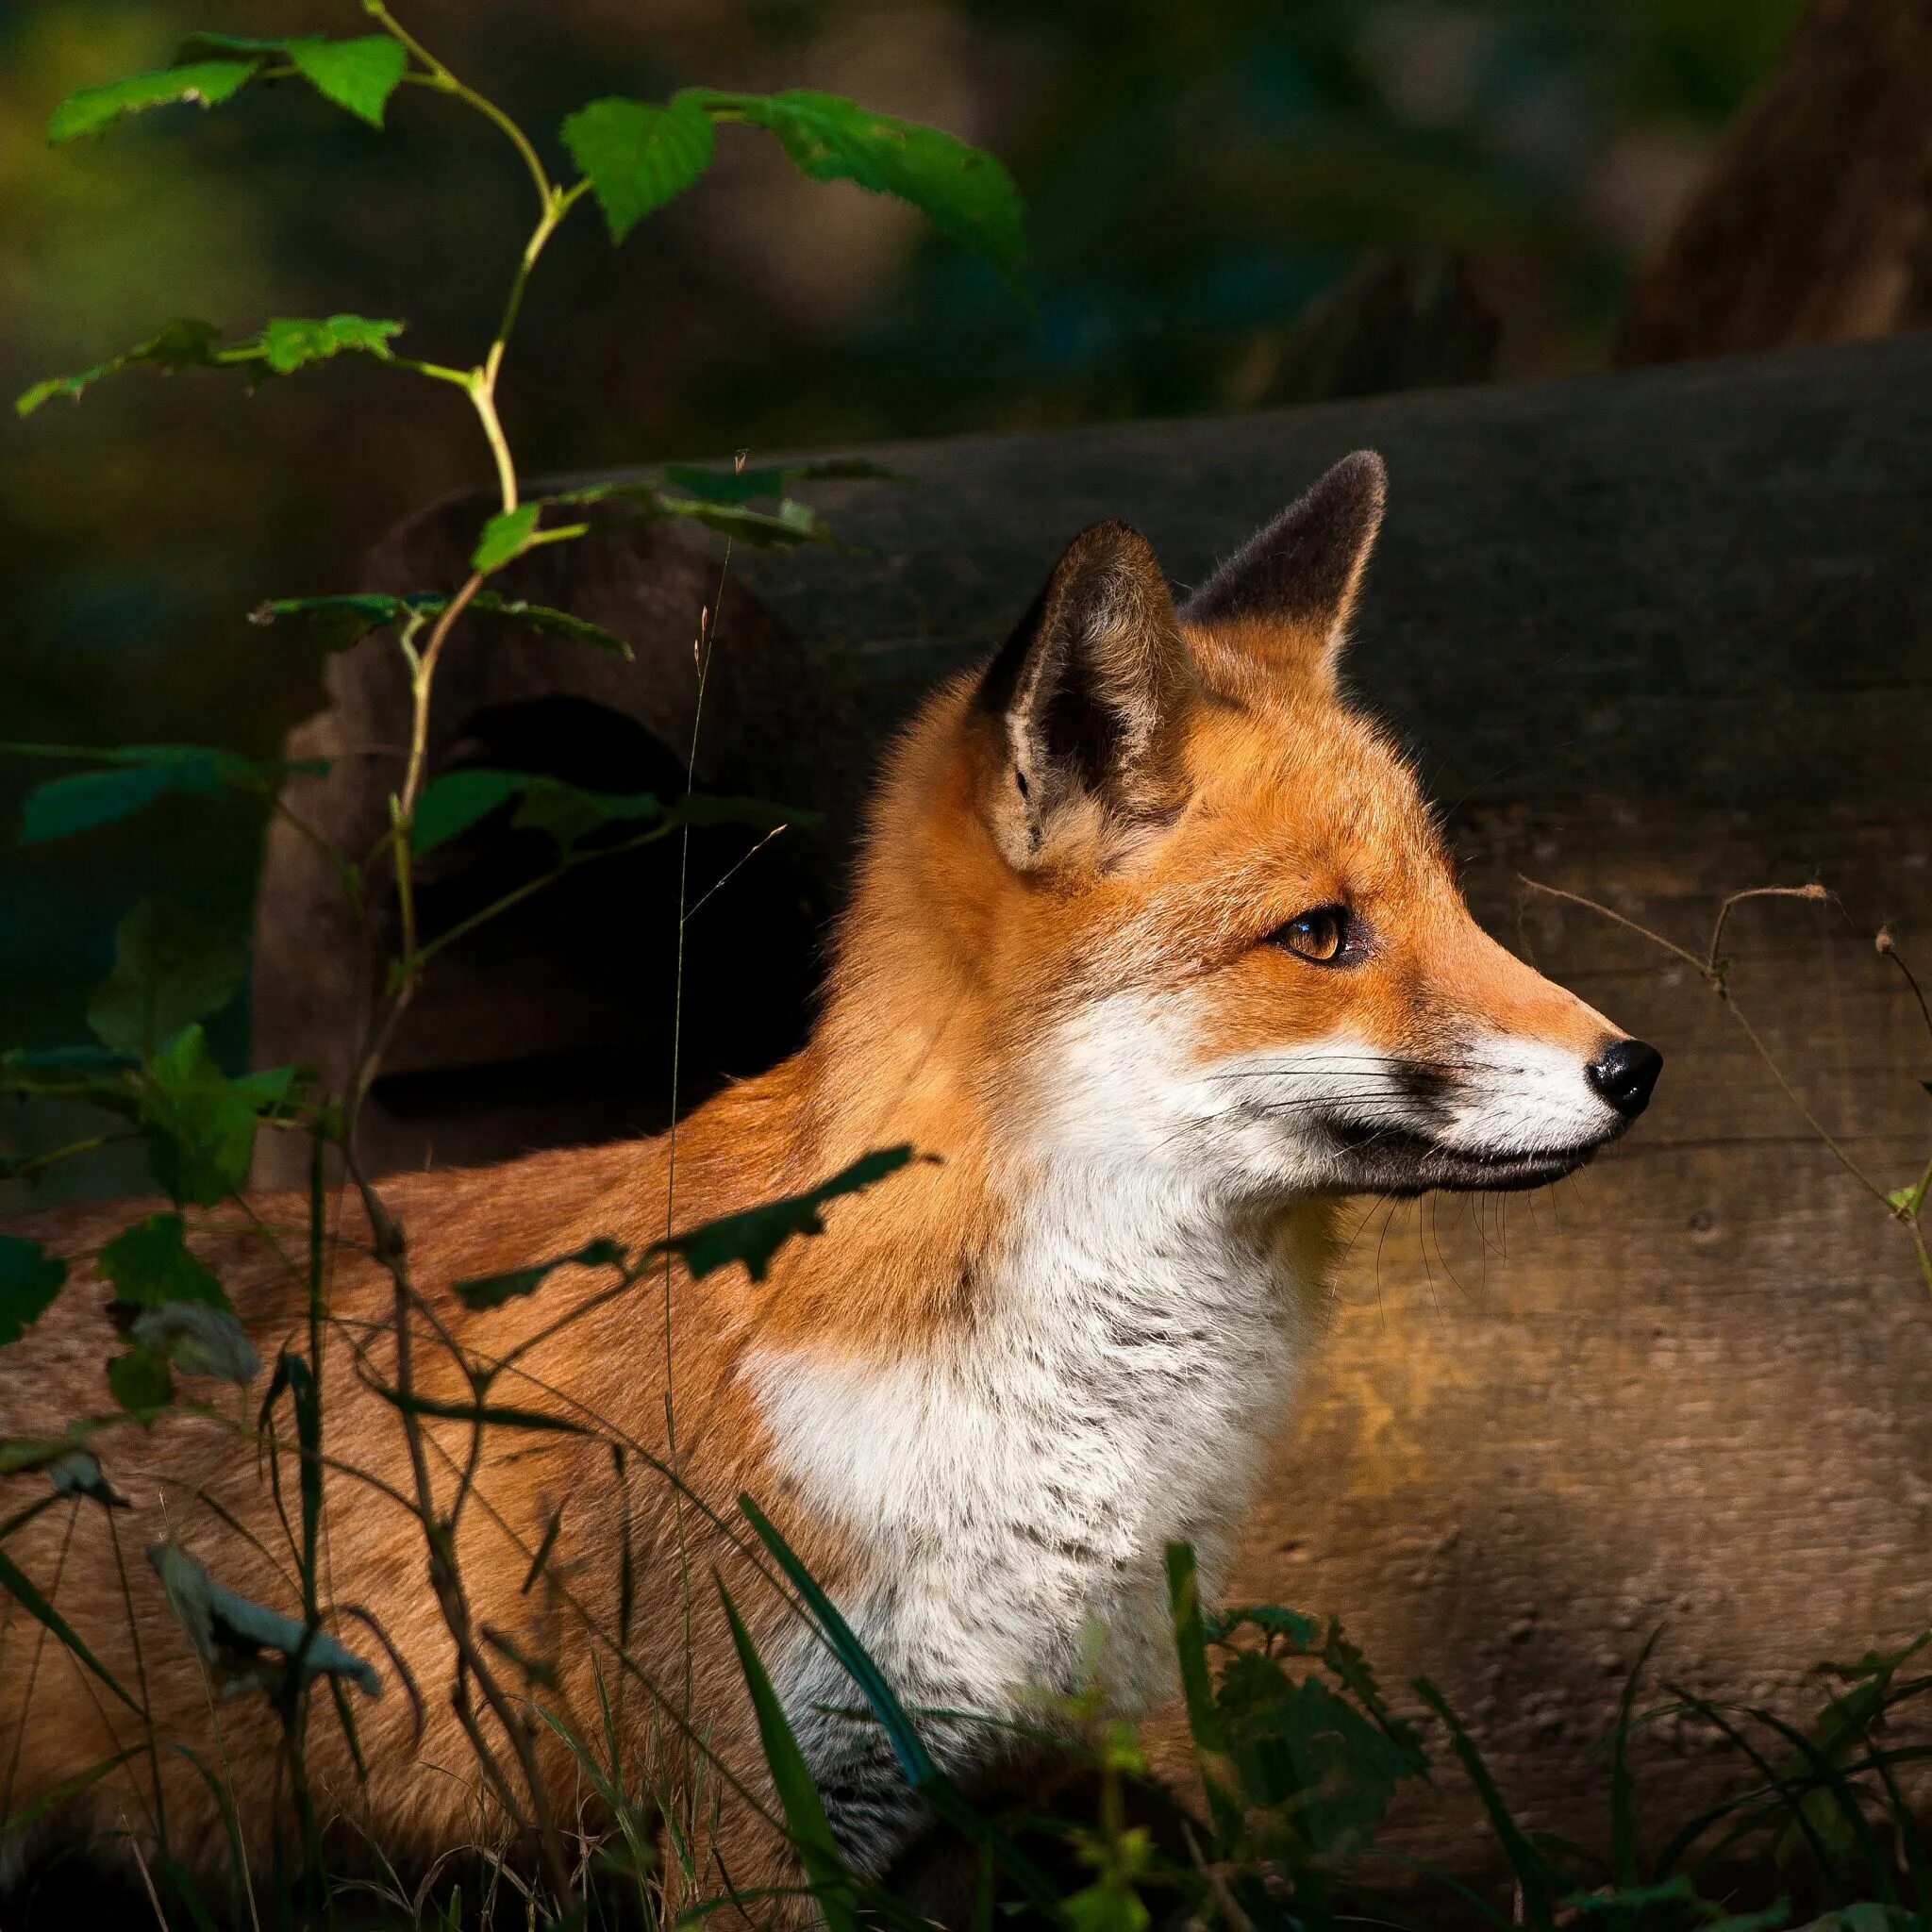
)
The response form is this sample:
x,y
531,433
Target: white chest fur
x,y
1013,1486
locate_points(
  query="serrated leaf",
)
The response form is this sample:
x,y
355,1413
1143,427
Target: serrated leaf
x,y
569,813
290,343
29,1280
183,343
342,621
149,1265
135,777
754,1236
169,970
966,193
492,1291
637,156
506,536
202,83
231,1634
795,524
200,1124
359,74
142,1383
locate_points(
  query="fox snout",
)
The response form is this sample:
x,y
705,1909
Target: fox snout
x,y
1624,1076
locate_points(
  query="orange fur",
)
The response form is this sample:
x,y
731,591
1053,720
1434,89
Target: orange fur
x,y
956,975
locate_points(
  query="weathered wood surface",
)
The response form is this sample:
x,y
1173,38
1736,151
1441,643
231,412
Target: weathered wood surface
x,y
1656,636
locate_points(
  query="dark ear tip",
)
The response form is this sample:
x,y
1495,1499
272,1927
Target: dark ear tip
x,y
1362,477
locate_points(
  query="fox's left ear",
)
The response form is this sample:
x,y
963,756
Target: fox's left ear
x,y
1292,588
1083,707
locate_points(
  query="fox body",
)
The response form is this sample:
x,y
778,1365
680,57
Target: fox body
x,y
1156,951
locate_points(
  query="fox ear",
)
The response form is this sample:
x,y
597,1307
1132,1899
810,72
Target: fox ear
x,y
1085,701
1293,586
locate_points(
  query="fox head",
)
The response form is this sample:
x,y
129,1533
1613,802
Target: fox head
x,y
1150,890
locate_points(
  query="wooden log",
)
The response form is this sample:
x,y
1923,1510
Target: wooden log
x,y
1656,636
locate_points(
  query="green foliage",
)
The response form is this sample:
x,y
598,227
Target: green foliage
x,y
340,621
359,74
805,1812
93,109
284,344
966,193
169,970
30,1278
148,1266
201,1125
133,778
637,156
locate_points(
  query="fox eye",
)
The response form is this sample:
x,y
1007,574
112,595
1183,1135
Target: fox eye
x,y
1323,935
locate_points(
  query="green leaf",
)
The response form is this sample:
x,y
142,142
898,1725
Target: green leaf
x,y
136,775
200,1124
183,343
169,970
452,804
142,1383
756,1236
1197,1688
804,1814
231,1634
149,1265
205,83
20,1588
289,343
637,156
492,1291
506,536
966,193
342,621
29,1280
359,74
795,524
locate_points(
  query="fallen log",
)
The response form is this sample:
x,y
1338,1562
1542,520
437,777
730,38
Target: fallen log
x,y
1656,636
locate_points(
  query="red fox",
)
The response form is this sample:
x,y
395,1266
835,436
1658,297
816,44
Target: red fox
x,y
1155,950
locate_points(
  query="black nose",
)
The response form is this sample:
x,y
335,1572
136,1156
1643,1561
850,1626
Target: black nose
x,y
1625,1075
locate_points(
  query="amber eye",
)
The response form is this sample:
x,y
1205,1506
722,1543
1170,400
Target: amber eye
x,y
1322,935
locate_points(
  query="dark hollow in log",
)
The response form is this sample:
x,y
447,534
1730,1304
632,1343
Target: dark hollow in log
x,y
1656,636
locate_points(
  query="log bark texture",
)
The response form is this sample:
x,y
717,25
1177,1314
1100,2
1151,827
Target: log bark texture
x,y
1811,225
1656,636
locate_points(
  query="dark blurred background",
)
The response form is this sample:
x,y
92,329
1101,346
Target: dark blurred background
x,y
1234,203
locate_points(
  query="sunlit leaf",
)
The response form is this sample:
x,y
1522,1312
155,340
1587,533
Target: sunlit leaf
x,y
204,83
169,970
492,1291
450,805
636,156
965,192
756,1236
183,343
290,343
359,74
29,1279
234,1635
506,536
